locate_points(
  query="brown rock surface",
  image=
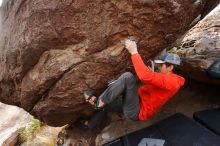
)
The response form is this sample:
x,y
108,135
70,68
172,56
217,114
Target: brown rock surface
x,y
53,50
12,140
201,47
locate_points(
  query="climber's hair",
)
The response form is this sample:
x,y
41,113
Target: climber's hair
x,y
175,67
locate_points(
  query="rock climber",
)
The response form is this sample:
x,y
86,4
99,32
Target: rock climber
x,y
141,102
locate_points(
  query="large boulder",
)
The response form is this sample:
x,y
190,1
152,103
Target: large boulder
x,y
53,50
12,120
201,47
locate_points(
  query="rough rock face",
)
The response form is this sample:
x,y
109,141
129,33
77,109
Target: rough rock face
x,y
53,50
12,120
201,47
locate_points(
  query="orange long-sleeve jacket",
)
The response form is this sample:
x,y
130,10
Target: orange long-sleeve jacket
x,y
158,88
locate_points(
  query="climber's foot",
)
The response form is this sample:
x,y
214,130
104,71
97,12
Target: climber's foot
x,y
91,99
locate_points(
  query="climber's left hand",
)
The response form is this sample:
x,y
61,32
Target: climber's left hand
x,y
131,46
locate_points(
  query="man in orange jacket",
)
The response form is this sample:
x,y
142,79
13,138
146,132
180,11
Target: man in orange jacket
x,y
139,103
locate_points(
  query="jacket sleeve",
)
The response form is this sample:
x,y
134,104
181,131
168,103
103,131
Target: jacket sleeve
x,y
147,76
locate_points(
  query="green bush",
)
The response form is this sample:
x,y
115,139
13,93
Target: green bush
x,y
172,50
27,132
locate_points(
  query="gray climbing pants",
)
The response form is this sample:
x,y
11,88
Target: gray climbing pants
x,y
126,87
